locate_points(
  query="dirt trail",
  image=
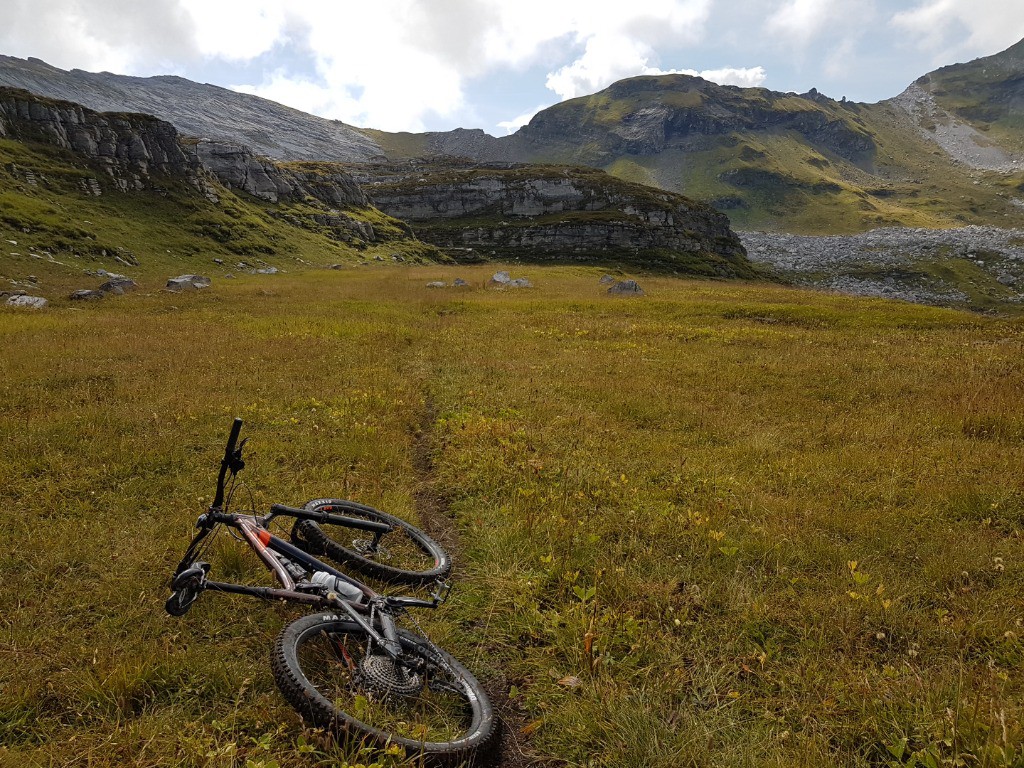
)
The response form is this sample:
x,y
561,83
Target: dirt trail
x,y
436,520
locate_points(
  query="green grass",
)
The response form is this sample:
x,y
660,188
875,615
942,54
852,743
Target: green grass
x,y
727,524
59,230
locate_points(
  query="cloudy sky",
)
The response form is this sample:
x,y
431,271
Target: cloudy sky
x,y
438,64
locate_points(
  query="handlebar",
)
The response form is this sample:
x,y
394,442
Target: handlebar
x,y
327,517
232,461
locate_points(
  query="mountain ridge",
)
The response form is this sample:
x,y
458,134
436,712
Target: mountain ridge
x,y
935,156
198,110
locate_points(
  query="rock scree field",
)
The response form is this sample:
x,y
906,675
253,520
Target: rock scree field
x,y
729,524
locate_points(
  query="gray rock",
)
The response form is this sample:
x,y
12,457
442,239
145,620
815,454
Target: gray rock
x,y
267,271
196,110
501,278
84,294
891,262
119,284
606,279
31,302
626,288
238,167
520,282
337,266
187,283
437,284
459,283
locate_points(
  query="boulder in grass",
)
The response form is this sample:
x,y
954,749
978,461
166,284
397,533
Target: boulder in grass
x,y
437,284
520,282
31,302
85,294
119,284
458,282
626,288
501,278
188,283
606,279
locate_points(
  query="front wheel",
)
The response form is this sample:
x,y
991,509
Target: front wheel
x,y
429,704
406,555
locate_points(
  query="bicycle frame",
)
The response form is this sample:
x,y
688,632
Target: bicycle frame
x,y
277,554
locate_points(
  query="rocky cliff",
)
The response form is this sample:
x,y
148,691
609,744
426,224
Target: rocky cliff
x,y
237,167
197,110
133,148
129,147
556,213
648,115
130,152
787,161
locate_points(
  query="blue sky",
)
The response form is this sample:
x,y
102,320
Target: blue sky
x,y
439,64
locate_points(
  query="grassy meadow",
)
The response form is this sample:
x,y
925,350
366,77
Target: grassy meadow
x,y
722,525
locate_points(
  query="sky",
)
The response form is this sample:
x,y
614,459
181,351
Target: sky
x,y
433,65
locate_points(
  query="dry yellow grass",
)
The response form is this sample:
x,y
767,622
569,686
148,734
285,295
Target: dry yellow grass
x,y
726,524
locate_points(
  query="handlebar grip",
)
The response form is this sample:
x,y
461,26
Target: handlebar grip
x,y
281,509
236,428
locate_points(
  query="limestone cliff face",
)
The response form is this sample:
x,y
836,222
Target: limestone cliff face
x,y
130,148
237,167
198,110
553,212
133,149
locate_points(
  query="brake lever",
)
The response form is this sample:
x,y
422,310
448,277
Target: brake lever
x,y
236,464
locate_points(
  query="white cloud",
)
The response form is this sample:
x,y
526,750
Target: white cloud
x,y
517,122
236,30
111,35
596,70
959,27
750,77
606,59
391,65
800,20
405,64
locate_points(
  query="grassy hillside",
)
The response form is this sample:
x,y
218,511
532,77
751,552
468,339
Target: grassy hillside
x,y
988,92
726,524
793,176
779,161
52,227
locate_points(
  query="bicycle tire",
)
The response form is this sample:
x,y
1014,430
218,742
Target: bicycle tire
x,y
407,555
317,663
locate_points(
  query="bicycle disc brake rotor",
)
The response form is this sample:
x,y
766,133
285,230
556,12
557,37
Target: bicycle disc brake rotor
x,y
366,548
385,678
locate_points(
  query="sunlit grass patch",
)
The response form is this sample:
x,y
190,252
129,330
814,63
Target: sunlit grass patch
x,y
726,524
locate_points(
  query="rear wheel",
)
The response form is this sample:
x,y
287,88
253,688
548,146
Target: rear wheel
x,y
406,555
329,670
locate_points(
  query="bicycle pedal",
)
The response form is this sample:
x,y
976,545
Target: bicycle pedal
x,y
442,589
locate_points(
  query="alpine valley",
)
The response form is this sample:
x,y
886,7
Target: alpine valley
x,y
649,173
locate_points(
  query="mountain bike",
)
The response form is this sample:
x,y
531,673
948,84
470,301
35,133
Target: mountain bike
x,y
350,669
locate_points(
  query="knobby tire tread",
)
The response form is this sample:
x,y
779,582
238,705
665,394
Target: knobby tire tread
x,y
314,708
